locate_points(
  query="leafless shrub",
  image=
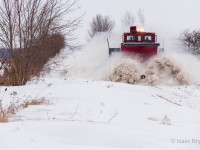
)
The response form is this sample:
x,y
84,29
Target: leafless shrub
x,y
191,40
128,19
100,24
32,32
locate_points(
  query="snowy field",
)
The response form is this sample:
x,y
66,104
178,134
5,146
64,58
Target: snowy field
x,y
100,115
86,111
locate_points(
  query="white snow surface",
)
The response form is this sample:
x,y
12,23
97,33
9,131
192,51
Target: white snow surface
x,y
85,112
100,115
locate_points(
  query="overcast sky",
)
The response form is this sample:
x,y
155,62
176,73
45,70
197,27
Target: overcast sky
x,y
165,17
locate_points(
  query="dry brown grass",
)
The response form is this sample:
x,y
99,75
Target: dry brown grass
x,y
34,102
3,116
13,108
5,113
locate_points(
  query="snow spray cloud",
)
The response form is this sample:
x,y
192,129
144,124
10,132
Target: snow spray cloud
x,y
93,62
165,69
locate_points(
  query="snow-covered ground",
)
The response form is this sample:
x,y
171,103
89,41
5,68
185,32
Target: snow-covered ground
x,y
85,112
100,115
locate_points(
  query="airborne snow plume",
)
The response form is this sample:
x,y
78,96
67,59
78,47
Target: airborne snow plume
x,y
93,62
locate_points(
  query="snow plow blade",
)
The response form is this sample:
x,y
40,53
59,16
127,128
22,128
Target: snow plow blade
x,y
111,50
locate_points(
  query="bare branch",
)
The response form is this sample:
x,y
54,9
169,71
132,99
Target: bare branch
x,y
100,24
141,18
128,19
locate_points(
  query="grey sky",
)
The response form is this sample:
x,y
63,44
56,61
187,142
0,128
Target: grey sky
x,y
165,17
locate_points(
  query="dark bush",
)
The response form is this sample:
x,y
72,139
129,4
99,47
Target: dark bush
x,y
30,61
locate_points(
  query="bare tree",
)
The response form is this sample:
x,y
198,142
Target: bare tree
x,y
27,23
141,18
128,19
191,40
100,24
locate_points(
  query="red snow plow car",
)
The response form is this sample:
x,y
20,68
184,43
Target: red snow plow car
x,y
137,42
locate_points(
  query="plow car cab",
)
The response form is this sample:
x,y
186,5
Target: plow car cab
x,y
139,43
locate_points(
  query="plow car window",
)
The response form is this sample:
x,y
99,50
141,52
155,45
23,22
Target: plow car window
x,y
139,37
148,38
130,38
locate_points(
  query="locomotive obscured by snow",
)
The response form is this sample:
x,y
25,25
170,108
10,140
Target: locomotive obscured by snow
x,y
139,43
